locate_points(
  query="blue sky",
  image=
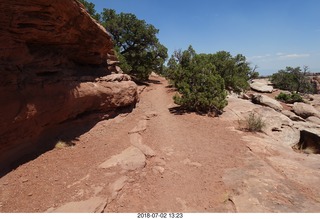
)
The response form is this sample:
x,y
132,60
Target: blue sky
x,y
272,34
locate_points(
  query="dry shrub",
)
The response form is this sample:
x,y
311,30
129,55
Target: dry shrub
x,y
62,144
253,123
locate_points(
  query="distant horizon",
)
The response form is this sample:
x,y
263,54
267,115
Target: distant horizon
x,y
271,34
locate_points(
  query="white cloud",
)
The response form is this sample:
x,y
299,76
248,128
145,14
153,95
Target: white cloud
x,y
293,56
260,56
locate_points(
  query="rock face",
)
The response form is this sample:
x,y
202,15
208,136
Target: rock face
x,y
56,63
266,101
261,87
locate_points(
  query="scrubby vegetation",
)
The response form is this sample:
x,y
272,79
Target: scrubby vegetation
x,y
138,48
203,79
289,98
253,123
293,79
136,42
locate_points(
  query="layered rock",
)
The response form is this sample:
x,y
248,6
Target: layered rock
x,y
261,87
266,101
54,63
305,110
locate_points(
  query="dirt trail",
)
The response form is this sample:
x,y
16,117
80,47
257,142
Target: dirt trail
x,y
192,154
159,159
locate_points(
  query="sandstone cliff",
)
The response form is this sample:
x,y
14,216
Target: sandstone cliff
x,y
52,54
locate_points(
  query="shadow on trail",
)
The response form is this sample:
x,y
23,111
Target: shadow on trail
x,y
178,110
67,132
146,83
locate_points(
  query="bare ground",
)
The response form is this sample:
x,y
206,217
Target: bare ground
x,y
190,163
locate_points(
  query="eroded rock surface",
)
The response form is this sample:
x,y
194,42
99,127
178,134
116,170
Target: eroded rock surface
x,y
266,101
55,65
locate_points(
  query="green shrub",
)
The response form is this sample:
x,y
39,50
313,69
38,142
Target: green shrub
x,y
253,123
293,79
205,95
202,79
61,144
289,98
200,87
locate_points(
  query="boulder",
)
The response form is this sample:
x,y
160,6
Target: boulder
x,y
261,87
314,119
56,65
305,110
292,116
266,101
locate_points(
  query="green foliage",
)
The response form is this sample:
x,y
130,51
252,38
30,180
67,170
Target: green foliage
x,y
253,123
235,71
293,79
139,49
201,88
289,98
202,79
90,9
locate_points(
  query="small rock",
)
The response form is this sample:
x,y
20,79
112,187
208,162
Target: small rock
x,y
151,114
30,194
24,180
159,161
189,162
245,96
158,169
131,180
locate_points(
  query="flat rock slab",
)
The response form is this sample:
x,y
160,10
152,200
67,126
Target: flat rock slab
x,y
136,141
261,87
260,188
116,187
130,159
140,127
187,161
92,205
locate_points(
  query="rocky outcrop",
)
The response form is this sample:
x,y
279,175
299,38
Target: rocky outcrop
x,y
266,101
305,110
56,63
292,116
261,87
